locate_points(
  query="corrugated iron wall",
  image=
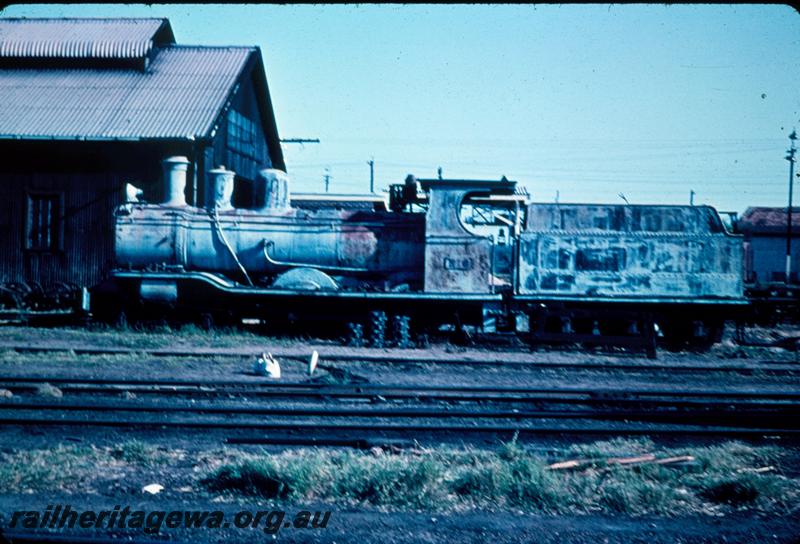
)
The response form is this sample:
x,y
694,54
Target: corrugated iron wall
x,y
245,103
88,235
247,165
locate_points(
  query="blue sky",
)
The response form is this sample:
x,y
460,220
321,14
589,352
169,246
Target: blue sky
x,y
651,101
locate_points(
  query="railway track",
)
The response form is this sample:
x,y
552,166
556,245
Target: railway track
x,y
485,359
347,412
257,387
762,413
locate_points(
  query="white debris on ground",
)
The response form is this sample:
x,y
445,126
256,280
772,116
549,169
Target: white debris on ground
x,y
153,489
266,365
312,363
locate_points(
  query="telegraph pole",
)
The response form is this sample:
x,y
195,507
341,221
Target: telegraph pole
x,y
327,179
790,157
371,164
691,197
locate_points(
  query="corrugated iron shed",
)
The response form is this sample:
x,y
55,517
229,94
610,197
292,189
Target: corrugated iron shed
x,y
122,79
82,38
180,95
766,220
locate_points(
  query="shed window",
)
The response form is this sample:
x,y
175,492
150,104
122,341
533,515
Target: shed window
x,y
43,227
241,133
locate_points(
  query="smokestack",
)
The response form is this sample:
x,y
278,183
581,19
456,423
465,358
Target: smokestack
x,y
175,180
272,190
220,189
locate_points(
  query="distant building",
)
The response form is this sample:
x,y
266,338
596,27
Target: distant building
x,y
90,105
764,231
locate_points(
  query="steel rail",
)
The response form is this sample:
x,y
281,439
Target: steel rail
x,y
415,390
776,367
387,395
739,416
777,401
308,428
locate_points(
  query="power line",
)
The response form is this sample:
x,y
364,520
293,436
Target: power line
x,y
299,140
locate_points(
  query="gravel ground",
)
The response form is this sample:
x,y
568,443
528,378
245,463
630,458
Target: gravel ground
x,y
219,368
368,527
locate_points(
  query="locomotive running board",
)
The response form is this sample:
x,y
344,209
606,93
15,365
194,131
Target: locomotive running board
x,y
237,289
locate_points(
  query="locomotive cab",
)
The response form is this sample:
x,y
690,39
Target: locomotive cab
x,y
471,231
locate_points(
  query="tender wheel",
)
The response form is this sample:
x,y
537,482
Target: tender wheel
x,y
696,335
676,334
706,334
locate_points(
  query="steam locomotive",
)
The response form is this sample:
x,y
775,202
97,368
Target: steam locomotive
x,y
458,255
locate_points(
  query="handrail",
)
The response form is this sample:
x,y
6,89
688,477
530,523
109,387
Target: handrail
x,y
270,260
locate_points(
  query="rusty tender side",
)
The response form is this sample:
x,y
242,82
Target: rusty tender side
x,y
457,254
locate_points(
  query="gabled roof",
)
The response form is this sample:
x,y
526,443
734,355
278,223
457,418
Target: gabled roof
x,y
767,220
99,79
82,38
180,95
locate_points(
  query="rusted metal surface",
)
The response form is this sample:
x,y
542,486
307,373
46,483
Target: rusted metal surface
x,y
383,245
765,220
649,252
457,265
456,260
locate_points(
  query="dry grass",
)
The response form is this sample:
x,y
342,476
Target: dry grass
x,y
516,479
50,469
721,479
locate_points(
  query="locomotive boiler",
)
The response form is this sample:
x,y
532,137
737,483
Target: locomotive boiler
x,y
450,253
271,243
